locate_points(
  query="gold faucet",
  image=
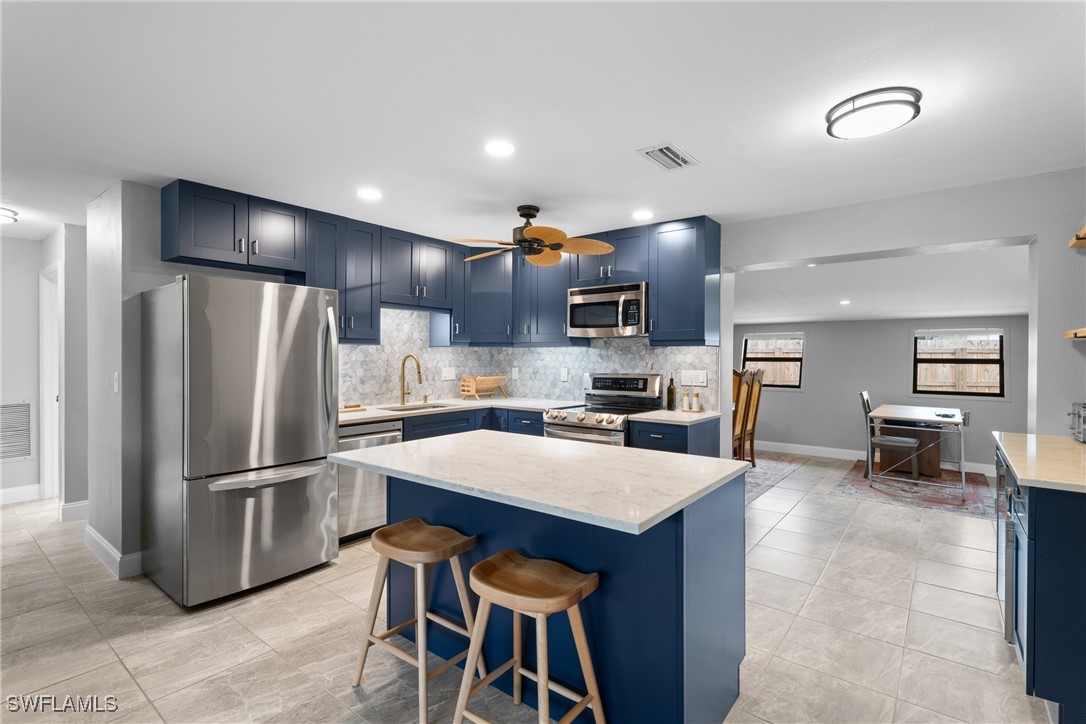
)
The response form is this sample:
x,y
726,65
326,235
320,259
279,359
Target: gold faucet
x,y
405,389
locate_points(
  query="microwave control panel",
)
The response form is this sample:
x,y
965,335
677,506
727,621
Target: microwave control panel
x,y
631,312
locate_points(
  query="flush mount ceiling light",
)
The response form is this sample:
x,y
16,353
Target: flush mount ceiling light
x,y
369,193
8,216
874,112
499,148
642,215
810,265
845,302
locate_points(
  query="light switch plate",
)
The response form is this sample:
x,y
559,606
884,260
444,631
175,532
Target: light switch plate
x,y
565,374
448,373
516,374
694,378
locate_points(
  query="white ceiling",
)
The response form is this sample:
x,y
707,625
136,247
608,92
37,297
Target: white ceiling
x,y
307,102
955,284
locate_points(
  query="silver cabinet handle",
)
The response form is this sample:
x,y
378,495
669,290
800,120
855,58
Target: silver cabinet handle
x,y
256,247
424,291
416,292
350,322
655,436
609,272
601,272
525,422
525,329
456,327
262,478
341,325
508,330
652,324
563,328
241,245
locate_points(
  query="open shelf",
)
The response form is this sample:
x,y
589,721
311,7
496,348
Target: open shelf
x,y
1079,333
1078,241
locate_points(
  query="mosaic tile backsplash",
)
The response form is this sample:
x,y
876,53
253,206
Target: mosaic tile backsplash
x,y
370,374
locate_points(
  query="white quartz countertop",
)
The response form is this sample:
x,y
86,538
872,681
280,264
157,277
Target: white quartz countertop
x,y
1045,461
374,413
675,417
621,488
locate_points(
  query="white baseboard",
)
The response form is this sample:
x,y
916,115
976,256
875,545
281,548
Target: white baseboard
x,y
20,494
74,511
843,454
124,566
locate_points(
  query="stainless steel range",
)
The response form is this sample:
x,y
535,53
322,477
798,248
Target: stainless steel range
x,y
610,398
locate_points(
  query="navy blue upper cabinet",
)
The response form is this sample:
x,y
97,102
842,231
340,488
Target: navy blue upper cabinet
x,y
684,282
325,242
461,283
522,298
627,264
540,301
490,307
415,271
276,235
216,227
361,290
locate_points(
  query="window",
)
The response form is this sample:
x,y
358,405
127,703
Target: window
x,y
780,355
958,362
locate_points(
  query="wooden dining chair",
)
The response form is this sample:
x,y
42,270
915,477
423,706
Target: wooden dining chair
x,y
876,440
747,442
739,415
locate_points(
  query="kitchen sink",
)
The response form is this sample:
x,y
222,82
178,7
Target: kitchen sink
x,y
416,406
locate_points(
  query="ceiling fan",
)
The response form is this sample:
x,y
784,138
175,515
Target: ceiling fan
x,y
541,245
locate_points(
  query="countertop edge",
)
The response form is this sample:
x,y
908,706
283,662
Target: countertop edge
x,y
1070,487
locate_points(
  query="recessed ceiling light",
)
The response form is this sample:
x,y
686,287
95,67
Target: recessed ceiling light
x,y
873,112
7,216
642,214
499,148
369,193
811,265
845,301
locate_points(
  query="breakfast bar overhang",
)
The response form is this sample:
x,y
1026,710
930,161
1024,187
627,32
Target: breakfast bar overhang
x,y
665,532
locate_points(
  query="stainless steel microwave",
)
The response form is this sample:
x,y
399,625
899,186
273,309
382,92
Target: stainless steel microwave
x,y
616,310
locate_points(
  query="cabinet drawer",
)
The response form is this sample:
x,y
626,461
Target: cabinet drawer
x,y
669,438
446,423
526,423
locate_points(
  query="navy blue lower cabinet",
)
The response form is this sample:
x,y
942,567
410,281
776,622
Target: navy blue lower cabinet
x,y
702,438
499,420
665,627
443,423
526,423
1050,625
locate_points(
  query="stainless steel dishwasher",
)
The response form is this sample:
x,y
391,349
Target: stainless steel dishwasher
x,y
362,492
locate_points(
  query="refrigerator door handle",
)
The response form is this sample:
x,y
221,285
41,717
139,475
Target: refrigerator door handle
x,y
264,478
331,359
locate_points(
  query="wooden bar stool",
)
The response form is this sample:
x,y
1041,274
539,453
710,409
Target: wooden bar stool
x,y
417,544
537,588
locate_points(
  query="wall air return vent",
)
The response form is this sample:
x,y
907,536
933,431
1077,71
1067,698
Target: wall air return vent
x,y
16,431
669,156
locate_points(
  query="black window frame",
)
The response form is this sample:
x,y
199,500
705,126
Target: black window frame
x,y
799,382
1001,363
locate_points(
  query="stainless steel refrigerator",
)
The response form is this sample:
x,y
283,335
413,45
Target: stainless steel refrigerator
x,y
240,397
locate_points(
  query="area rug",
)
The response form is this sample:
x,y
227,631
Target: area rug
x,y
772,468
979,495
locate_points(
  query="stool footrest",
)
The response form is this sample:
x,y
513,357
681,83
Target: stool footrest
x,y
446,665
558,688
580,706
494,674
441,620
394,650
395,629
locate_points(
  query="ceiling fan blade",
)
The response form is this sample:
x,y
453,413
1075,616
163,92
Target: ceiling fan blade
x,y
585,246
546,234
485,254
483,241
544,258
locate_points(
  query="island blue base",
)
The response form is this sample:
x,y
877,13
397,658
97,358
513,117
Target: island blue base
x,y
666,626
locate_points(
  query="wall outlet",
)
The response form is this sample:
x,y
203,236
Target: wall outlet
x,y
565,374
694,378
448,373
515,374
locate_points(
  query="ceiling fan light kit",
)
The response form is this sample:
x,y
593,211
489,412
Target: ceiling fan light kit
x,y
874,112
540,245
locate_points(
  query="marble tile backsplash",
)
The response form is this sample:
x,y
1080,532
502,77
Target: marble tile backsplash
x,y
370,374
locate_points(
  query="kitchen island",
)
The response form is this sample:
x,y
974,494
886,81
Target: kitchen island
x,y
664,531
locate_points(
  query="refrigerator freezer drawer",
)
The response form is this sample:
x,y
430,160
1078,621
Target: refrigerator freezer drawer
x,y
245,530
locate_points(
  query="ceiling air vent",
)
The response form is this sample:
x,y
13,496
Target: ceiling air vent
x,y
669,156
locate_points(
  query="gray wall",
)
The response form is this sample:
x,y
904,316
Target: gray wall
x,y
20,261
842,358
123,260
67,247
1050,206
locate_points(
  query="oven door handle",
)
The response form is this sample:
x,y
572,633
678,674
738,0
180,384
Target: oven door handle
x,y
609,437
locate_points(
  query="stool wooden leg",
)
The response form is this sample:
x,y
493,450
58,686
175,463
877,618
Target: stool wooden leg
x,y
518,657
541,669
577,626
474,651
420,638
465,603
371,616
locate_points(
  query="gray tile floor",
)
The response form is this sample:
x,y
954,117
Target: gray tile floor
x,y
857,612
